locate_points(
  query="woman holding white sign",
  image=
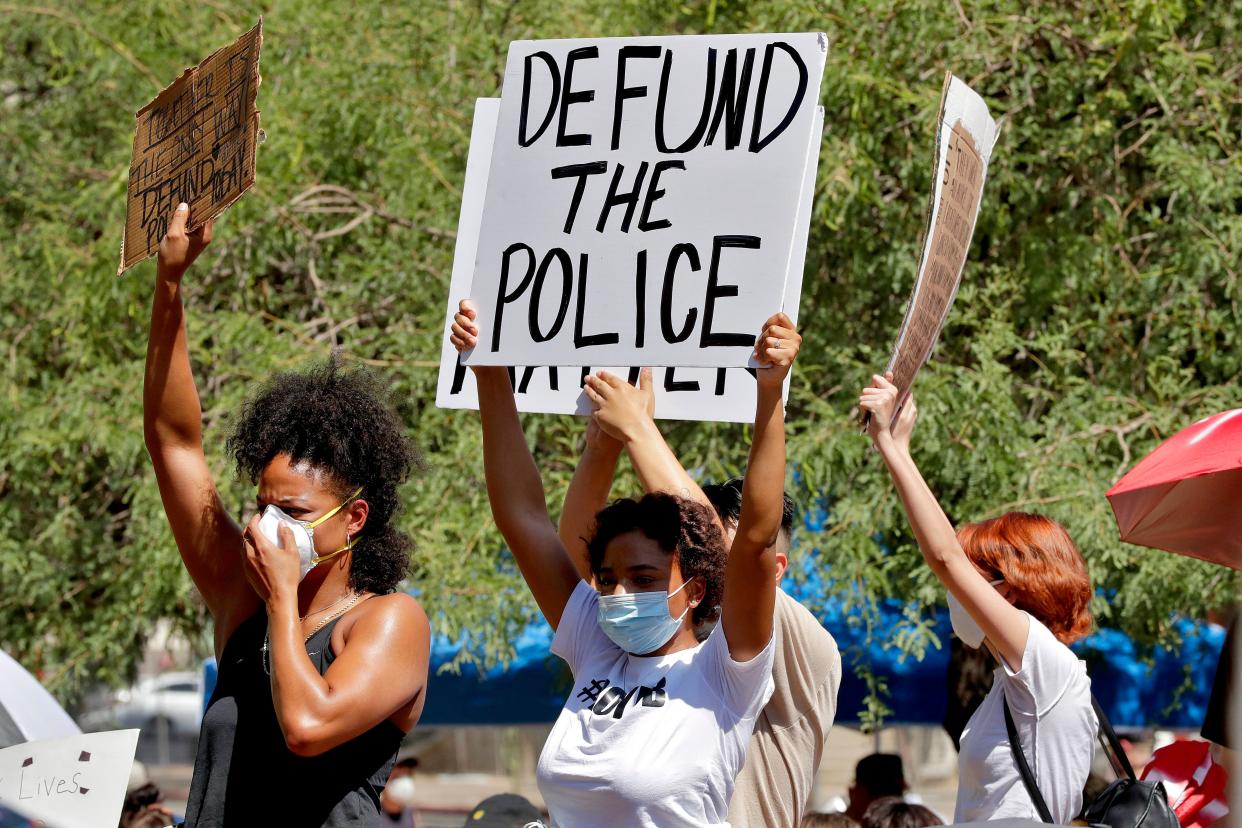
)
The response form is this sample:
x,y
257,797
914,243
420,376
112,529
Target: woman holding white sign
x,y
1017,585
322,668
657,725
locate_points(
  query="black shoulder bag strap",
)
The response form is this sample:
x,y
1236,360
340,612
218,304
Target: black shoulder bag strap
x,y
1112,745
1028,778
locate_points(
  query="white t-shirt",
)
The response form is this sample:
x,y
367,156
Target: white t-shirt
x,y
653,741
1050,700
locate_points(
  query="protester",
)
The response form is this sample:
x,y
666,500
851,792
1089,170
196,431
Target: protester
x,y
399,797
817,819
1018,585
788,740
657,728
322,668
895,812
876,776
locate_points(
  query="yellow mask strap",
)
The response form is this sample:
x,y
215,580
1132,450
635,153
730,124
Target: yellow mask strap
x,y
318,559
342,505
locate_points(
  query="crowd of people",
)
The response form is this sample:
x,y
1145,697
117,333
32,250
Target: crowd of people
x,y
702,693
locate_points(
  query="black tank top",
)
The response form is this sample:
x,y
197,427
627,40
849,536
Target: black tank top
x,y
244,774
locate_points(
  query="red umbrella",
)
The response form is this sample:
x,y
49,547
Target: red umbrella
x,y
1186,496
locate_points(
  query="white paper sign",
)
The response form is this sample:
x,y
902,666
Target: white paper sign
x,y
642,198
75,782
965,136
705,394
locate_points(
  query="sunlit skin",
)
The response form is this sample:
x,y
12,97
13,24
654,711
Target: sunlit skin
x,y
634,563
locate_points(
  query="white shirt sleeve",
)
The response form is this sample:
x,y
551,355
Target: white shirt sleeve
x,y
1048,668
744,686
578,635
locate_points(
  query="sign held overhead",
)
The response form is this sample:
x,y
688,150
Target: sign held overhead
x,y
195,143
642,198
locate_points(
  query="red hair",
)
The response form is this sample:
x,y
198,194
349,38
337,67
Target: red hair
x,y
1045,572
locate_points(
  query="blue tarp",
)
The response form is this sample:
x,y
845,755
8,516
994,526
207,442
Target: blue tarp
x,y
1133,692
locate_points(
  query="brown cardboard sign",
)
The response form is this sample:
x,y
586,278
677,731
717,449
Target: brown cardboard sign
x,y
963,148
195,143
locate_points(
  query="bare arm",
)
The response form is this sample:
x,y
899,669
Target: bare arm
x,y
514,486
588,494
1004,625
627,413
751,573
206,535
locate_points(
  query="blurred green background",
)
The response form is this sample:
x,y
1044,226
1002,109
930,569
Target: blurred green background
x,y
1098,313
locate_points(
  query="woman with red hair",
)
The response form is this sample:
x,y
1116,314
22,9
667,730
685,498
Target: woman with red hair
x,y
1017,585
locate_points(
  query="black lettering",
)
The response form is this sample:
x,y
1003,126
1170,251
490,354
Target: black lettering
x,y
630,199
715,290
671,383
580,171
662,101
555,74
459,376
655,193
578,139
625,92
567,285
666,294
756,143
587,340
503,298
640,299
731,100
720,382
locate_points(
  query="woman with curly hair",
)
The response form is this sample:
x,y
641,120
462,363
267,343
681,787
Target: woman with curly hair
x,y
322,666
1017,585
657,724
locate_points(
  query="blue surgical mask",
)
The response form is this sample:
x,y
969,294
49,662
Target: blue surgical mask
x,y
639,622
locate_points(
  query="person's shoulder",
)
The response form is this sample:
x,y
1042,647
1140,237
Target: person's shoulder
x,y
795,620
396,608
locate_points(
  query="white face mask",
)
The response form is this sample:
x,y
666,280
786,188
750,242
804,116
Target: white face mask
x,y
400,791
965,627
303,533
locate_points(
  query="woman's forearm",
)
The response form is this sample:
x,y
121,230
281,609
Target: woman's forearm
x,y
172,414
932,529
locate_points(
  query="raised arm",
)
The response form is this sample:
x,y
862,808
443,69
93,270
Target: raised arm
x,y
588,493
514,486
206,535
627,413
1004,625
752,571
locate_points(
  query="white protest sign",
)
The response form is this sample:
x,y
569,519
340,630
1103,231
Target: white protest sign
x,y
642,198
75,782
965,136
705,394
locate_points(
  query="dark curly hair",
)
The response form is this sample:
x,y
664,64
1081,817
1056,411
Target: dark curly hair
x,y
337,419
682,528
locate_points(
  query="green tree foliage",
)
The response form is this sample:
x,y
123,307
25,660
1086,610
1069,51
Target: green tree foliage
x,y
1099,312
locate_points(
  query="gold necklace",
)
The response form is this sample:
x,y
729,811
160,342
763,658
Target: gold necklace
x,y
353,599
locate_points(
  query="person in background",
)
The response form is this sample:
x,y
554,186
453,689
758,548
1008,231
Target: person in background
x,y
817,819
876,776
656,727
323,665
505,811
1017,585
788,740
397,802
895,812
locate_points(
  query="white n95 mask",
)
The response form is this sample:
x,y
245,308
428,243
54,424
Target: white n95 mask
x,y
965,627
303,533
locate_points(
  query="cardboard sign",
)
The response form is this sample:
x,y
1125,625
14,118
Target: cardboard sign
x,y
705,394
642,198
965,136
194,143
75,782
